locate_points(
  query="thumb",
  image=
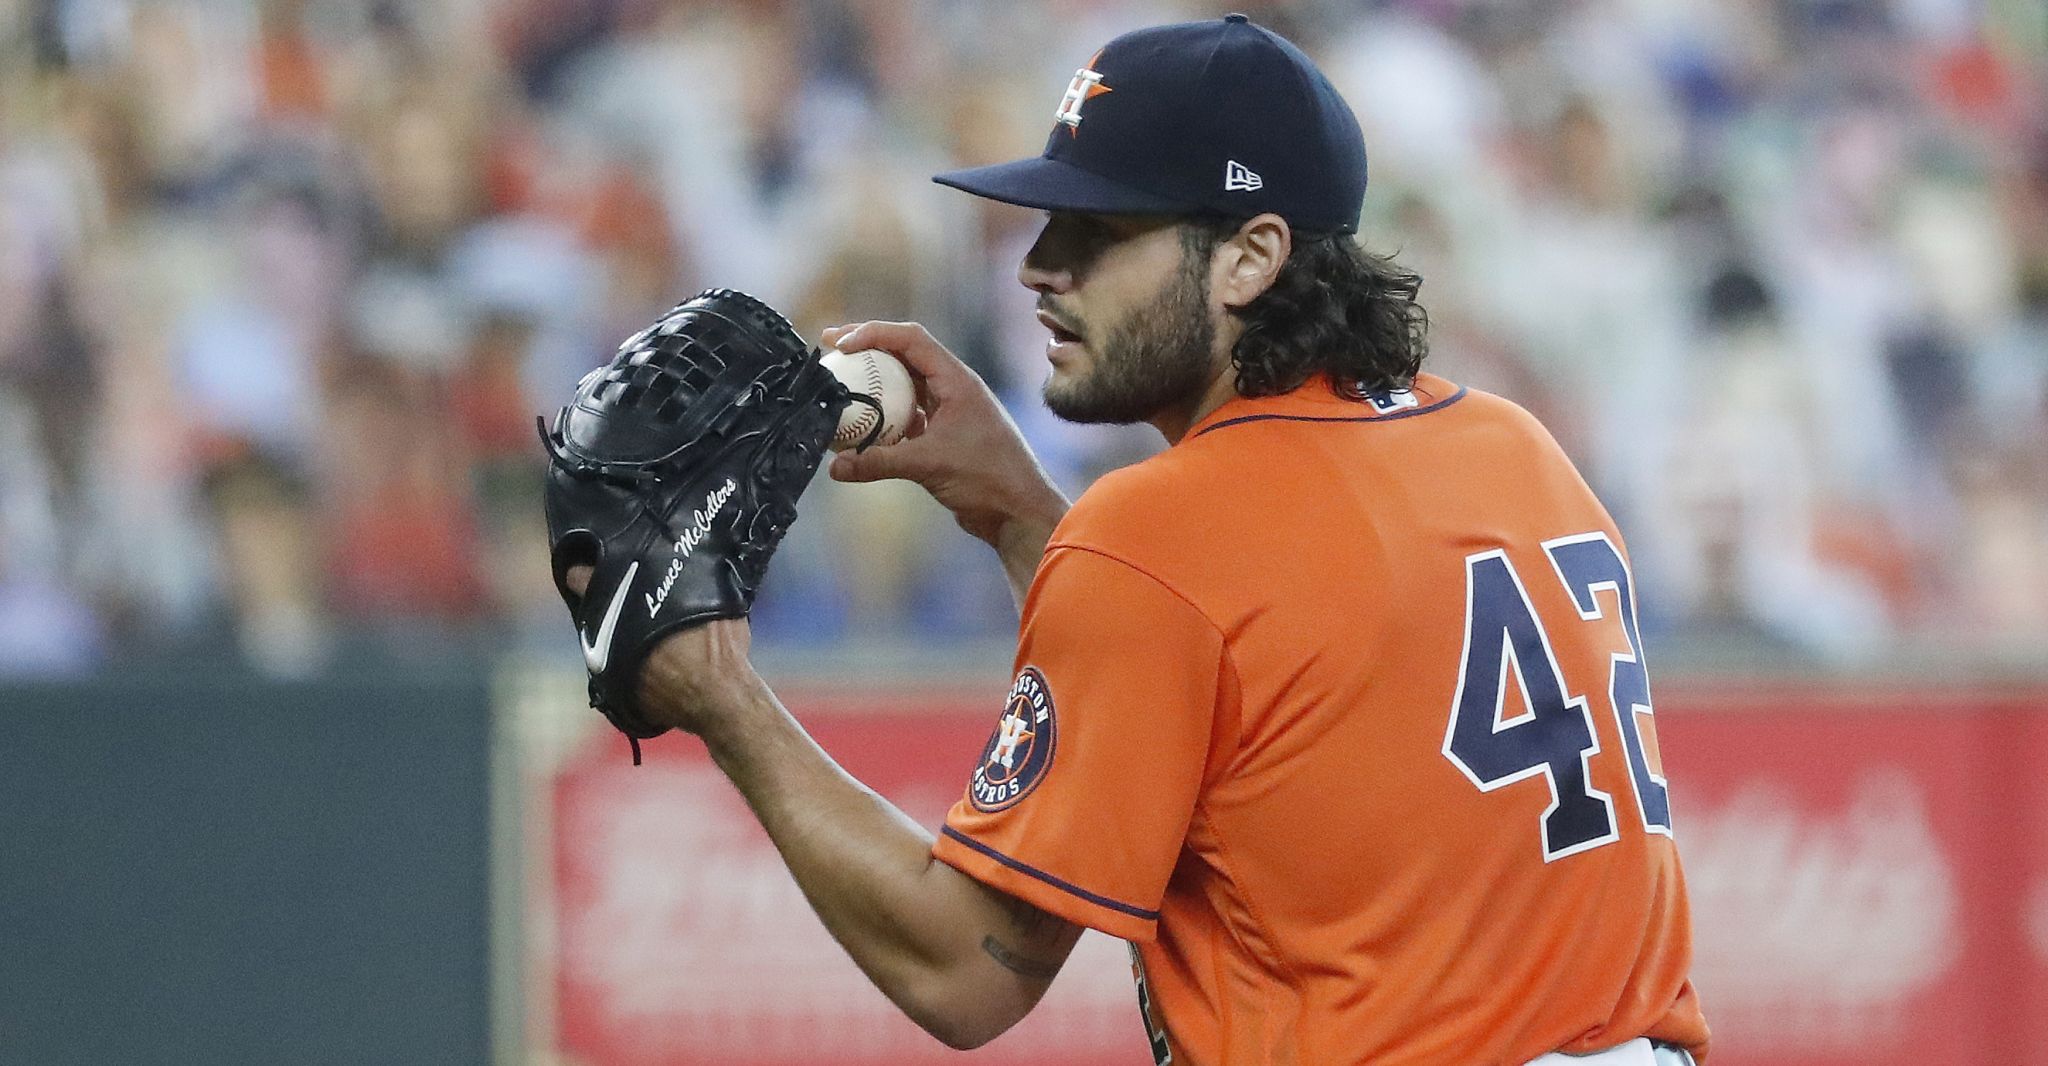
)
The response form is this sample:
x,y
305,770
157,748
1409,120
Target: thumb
x,y
879,463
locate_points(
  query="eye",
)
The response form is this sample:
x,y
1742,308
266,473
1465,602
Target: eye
x,y
1076,223
1099,225
1093,233
1076,240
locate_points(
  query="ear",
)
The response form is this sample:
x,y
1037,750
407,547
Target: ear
x,y
1247,263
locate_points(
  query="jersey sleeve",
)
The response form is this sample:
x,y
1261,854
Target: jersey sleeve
x,y
1082,797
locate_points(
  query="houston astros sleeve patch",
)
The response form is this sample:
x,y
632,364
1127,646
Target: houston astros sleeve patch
x,y
1019,754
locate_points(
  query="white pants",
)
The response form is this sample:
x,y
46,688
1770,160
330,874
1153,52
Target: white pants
x,y
1637,1052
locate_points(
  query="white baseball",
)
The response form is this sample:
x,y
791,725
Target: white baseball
x,y
878,374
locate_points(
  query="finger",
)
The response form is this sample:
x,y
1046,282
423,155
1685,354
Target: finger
x,y
847,338
913,344
846,467
854,469
843,338
879,463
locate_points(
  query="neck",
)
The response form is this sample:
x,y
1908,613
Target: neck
x,y
1174,424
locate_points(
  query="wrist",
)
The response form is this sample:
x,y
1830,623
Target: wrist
x,y
1032,512
697,678
1024,534
728,703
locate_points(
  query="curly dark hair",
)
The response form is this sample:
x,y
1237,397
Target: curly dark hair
x,y
1335,309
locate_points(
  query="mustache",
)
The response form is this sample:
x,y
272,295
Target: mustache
x,y
1069,322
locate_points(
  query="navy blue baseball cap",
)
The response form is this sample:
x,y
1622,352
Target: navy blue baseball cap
x,y
1222,117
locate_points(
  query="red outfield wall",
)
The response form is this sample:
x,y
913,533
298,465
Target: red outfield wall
x,y
1868,867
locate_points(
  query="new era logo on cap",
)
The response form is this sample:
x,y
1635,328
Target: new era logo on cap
x,y
1240,178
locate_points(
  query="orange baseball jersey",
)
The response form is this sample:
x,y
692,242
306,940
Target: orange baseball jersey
x,y
1338,712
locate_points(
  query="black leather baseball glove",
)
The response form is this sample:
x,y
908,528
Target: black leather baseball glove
x,y
674,473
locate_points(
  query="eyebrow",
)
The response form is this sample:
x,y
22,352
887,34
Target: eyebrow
x,y
1121,226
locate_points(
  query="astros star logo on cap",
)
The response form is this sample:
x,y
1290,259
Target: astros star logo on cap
x,y
1086,86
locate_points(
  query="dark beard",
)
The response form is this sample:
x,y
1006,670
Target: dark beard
x,y
1156,359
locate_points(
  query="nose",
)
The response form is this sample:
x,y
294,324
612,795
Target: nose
x,y
1045,269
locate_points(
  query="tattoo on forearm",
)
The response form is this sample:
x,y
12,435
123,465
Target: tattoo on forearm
x,y
1018,964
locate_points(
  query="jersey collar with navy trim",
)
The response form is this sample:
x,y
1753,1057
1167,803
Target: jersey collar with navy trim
x,y
1315,402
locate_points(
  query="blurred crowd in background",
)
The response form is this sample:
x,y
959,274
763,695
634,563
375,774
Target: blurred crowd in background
x,y
283,285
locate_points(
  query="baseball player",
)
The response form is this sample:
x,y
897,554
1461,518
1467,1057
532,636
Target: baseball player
x,y
1336,709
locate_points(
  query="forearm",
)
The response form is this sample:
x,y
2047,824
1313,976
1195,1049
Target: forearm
x,y
916,927
857,858
1020,544
1023,524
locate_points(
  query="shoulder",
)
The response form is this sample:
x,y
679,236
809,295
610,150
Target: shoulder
x,y
1483,404
1128,550
1132,511
1498,424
